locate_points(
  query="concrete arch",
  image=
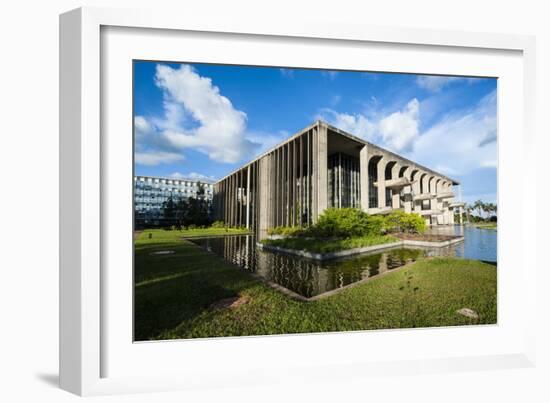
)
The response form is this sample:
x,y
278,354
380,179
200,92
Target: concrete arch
x,y
438,182
431,184
423,179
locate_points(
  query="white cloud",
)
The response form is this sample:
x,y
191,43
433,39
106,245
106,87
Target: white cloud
x,y
436,83
396,131
455,142
357,124
142,128
192,175
400,129
157,157
197,116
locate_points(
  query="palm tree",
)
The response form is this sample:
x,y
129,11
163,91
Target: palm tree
x,y
468,209
478,205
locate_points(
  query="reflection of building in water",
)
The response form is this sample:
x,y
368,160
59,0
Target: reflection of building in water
x,y
323,166
306,277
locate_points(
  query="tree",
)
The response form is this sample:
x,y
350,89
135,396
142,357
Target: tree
x,y
198,208
478,205
468,209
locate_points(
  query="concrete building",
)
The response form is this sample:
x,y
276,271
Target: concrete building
x,y
322,166
151,192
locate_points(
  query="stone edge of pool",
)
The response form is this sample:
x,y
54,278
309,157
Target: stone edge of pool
x,y
357,251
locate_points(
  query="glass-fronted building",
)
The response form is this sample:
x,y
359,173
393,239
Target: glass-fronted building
x,y
150,194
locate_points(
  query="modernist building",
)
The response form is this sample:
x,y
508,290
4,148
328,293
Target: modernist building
x,y
323,166
151,192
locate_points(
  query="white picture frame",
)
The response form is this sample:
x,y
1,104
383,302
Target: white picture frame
x,y
86,194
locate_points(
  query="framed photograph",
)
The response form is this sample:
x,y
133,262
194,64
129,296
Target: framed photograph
x,y
273,201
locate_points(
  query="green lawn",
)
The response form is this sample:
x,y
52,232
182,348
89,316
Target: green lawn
x,y
326,246
174,294
161,234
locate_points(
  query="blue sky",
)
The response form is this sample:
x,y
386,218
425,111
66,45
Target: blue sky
x,y
203,120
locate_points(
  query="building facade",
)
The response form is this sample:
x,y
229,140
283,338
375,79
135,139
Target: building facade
x,y
323,166
150,194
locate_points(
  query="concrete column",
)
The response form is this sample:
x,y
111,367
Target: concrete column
x,y
301,178
308,178
322,170
288,188
364,177
381,180
264,196
407,205
416,190
248,197
395,197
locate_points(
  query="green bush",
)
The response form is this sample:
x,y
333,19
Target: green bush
x,y
218,224
399,221
287,231
344,222
376,225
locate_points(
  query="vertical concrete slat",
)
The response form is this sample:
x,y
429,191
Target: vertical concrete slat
x,y
395,197
301,178
364,177
321,176
381,179
248,198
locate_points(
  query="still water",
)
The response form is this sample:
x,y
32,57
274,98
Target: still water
x,y
479,244
309,277
306,277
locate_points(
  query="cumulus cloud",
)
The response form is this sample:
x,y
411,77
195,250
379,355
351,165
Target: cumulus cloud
x,y
357,124
400,129
396,131
216,128
195,116
456,142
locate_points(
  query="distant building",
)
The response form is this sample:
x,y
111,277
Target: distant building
x,y
151,192
322,166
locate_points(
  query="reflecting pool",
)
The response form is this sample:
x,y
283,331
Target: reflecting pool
x,y
306,277
309,277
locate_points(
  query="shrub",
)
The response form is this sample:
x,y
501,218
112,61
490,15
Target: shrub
x,y
287,231
218,224
376,225
399,221
344,222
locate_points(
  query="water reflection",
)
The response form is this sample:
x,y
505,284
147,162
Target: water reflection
x,y
479,244
305,276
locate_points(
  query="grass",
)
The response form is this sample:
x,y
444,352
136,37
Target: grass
x,y
174,295
161,234
331,245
